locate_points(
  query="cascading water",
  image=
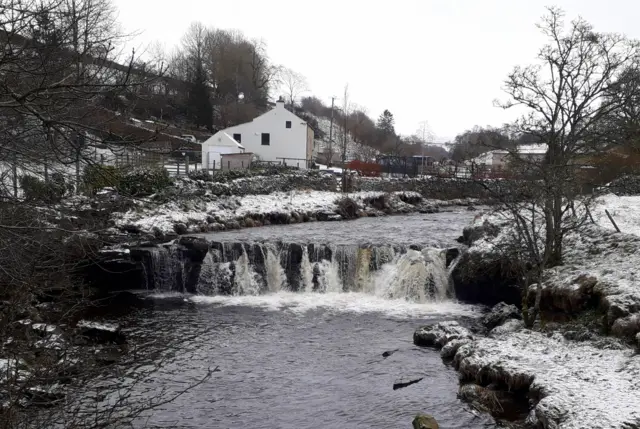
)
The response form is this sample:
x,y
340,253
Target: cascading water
x,y
162,267
244,268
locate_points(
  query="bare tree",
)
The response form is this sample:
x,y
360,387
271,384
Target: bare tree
x,y
293,84
60,66
566,95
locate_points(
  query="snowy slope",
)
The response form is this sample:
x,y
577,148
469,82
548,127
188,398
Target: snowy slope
x,y
354,150
625,211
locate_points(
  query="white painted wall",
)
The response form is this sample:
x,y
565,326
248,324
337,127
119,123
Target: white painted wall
x,y
218,144
284,142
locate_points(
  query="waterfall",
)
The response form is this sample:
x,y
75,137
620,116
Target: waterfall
x,y
162,269
245,268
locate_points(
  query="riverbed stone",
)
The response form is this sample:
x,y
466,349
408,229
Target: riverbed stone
x,y
439,334
389,353
481,398
407,381
180,228
100,333
451,348
425,421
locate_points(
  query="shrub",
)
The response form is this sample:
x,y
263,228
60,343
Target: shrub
x,y
141,182
35,189
347,208
96,177
378,202
200,175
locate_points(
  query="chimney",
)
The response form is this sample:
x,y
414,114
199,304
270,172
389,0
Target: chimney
x,y
280,103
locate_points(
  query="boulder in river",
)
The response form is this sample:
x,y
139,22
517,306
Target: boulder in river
x,y
439,334
499,314
101,333
407,381
389,353
425,421
451,255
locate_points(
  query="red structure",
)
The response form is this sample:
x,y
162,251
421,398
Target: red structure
x,y
367,169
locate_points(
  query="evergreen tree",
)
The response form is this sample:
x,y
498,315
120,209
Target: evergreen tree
x,y
199,106
386,124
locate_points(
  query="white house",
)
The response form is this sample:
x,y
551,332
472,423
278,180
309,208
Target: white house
x,y
276,136
499,159
219,144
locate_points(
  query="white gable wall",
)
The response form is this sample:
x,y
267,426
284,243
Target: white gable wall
x,y
283,142
218,144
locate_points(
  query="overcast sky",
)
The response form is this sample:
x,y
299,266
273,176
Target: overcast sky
x,y
437,60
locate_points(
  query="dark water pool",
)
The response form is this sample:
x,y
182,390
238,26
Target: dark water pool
x,y
304,361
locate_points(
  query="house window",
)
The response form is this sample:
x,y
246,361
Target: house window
x,y
238,138
288,124
266,139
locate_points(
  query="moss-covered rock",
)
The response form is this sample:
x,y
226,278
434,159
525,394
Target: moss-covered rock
x,y
425,421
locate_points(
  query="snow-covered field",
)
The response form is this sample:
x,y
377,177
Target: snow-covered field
x,y
589,384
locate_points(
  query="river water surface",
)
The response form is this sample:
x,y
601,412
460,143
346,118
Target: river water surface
x,y
307,359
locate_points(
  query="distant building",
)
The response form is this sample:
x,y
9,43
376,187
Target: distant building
x,y
277,136
498,159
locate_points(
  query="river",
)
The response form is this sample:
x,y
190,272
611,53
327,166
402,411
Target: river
x,y
313,358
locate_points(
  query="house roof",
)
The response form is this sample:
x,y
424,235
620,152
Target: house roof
x,y
278,106
533,149
221,138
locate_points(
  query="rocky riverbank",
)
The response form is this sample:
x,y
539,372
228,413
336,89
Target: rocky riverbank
x,y
578,366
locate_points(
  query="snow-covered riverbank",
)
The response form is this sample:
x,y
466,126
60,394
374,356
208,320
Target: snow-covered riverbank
x,y
580,363
219,213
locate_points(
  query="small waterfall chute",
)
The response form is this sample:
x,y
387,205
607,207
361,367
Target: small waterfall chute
x,y
276,278
246,281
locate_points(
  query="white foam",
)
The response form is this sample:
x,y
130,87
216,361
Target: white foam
x,y
342,302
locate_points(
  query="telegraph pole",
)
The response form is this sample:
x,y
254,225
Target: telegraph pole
x,y
424,125
333,99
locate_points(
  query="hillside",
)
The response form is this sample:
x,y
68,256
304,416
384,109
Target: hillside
x,y
322,148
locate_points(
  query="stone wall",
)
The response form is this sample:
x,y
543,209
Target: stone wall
x,y
255,185
432,188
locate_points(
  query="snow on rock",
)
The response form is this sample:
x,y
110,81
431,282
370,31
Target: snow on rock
x,y
451,348
499,314
512,325
579,385
100,332
440,334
